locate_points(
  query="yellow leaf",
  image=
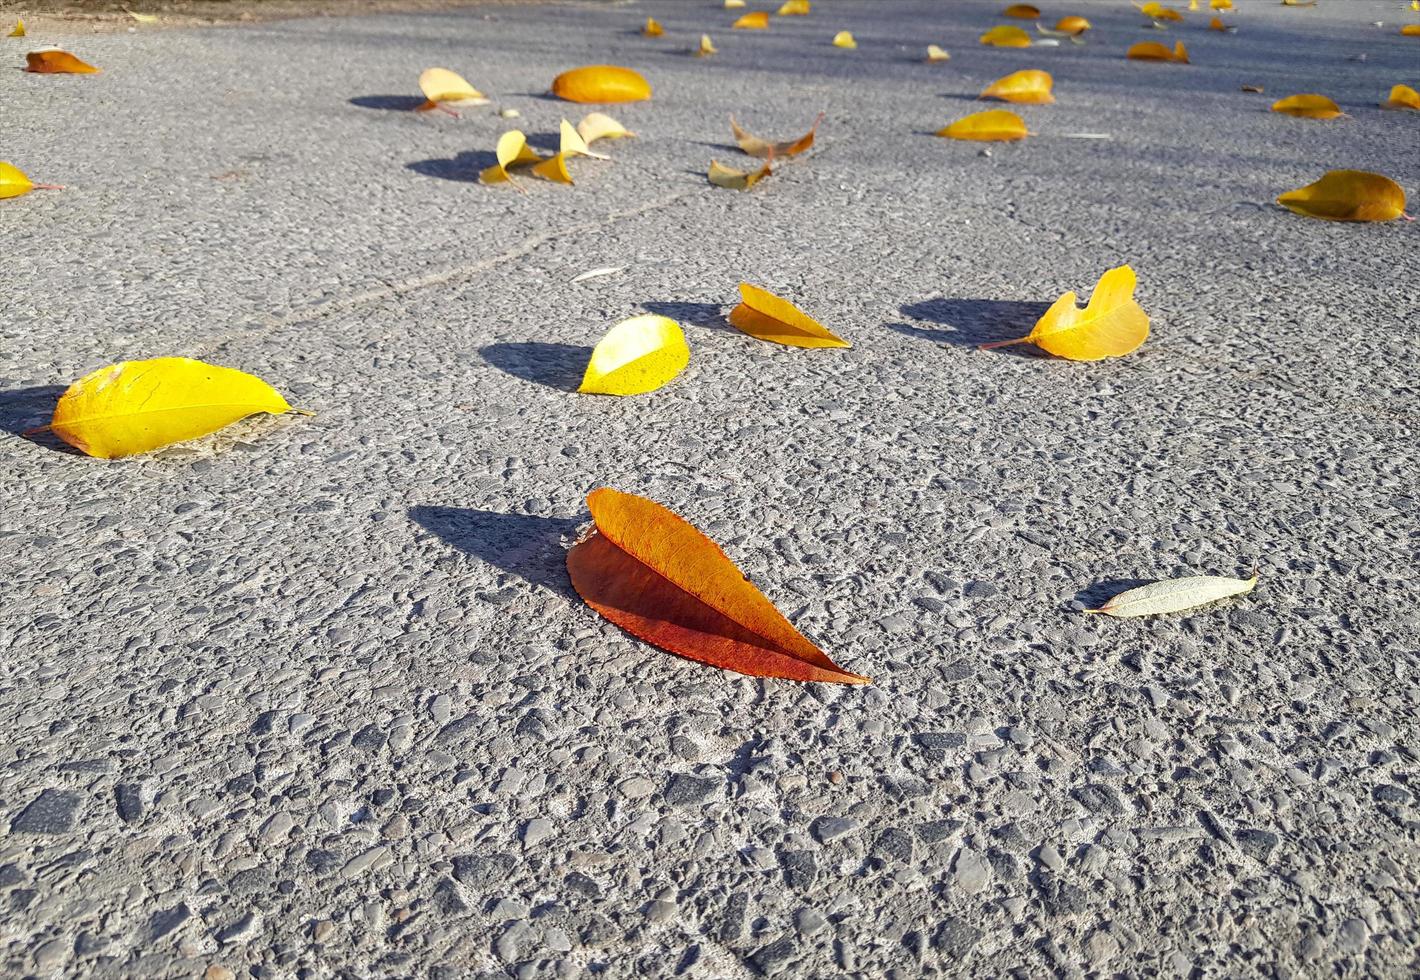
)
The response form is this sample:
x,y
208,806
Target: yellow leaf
x,y
757,147
572,144
1347,195
935,53
1403,97
652,28
142,18
13,181
1024,11
1154,51
1221,4
53,61
1216,24
442,87
1175,595
1159,12
512,150
1411,30
137,406
737,180
757,21
600,126
1030,86
1308,107
19,30
734,4
1072,25
554,168
1006,36
1299,3
794,8
844,39
1192,4
636,356
763,315
601,83
707,47
1111,325
992,126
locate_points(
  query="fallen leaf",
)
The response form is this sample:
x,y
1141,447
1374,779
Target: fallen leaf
x,y
844,39
509,113
554,168
652,28
734,4
1192,4
609,270
737,180
600,126
1113,324
794,8
757,147
572,144
1216,24
1086,136
138,406
19,30
1154,51
992,126
935,53
1174,595
652,573
636,356
142,18
1073,26
1402,97
512,151
1299,3
763,315
1253,88
757,21
707,47
1221,4
1411,30
601,83
1308,106
1158,11
1347,195
53,61
1030,86
443,88
1024,11
1006,36
14,183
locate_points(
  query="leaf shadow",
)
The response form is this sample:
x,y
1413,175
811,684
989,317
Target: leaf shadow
x,y
972,322
708,315
722,147
558,366
464,167
1097,594
24,409
392,103
523,545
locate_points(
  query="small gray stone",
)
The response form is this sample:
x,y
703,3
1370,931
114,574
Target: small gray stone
x,y
162,923
241,931
954,938
129,801
1390,793
939,741
829,829
937,830
972,871
771,959
1256,844
1099,799
809,921
55,811
370,738
687,790
800,869
896,844
537,830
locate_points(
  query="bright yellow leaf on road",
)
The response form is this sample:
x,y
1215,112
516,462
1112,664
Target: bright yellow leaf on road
x,y
443,88
1402,97
600,126
707,47
1111,325
53,61
1411,30
935,53
601,83
1347,195
765,316
794,8
844,39
734,4
1030,86
1024,11
19,30
1154,51
636,356
737,180
756,21
1006,36
14,183
137,406
653,28
554,168
1073,25
512,151
1221,4
993,126
1159,12
1309,106
757,147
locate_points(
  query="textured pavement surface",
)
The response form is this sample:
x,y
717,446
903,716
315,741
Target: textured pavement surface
x,y
313,697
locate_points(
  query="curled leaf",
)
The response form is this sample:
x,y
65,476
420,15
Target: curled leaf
x,y
1072,25
512,151
600,126
19,30
1006,36
653,574
572,144
601,83
1411,30
707,47
442,87
1402,97
763,315
794,8
1216,24
1175,595
636,356
756,21
137,406
1256,89
734,4
935,53
142,18
737,180
1154,51
1030,86
653,28
53,61
992,126
1347,195
1221,4
844,39
1158,11
757,147
554,168
1308,106
1111,325
1024,11
14,183
1299,3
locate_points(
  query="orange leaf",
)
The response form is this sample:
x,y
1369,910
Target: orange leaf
x,y
1347,195
1072,25
653,28
1024,11
1308,107
1411,30
757,21
1029,86
1403,97
992,126
656,576
1154,51
757,147
765,316
1006,36
1111,325
601,83
738,180
52,61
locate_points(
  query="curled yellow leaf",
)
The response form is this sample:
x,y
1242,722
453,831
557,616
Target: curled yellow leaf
x,y
1309,106
737,180
53,61
554,168
763,315
1158,11
935,53
1111,325
573,145
653,28
757,147
512,150
707,47
734,4
601,83
1154,51
1221,4
137,406
1024,11
844,39
992,126
1006,36
1072,25
14,183
1030,86
794,8
599,126
756,21
1347,195
442,87
1403,97
636,356
1411,30
19,30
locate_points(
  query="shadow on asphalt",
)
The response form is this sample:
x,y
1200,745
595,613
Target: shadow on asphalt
x,y
559,366
395,103
520,544
464,167
24,409
709,315
1096,595
971,322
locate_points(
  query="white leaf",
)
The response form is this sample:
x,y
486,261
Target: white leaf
x,y
1175,595
610,270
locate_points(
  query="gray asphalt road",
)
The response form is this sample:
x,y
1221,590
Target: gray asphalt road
x,y
314,697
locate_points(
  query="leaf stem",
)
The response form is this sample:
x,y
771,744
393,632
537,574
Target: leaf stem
x,y
47,187
1002,343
